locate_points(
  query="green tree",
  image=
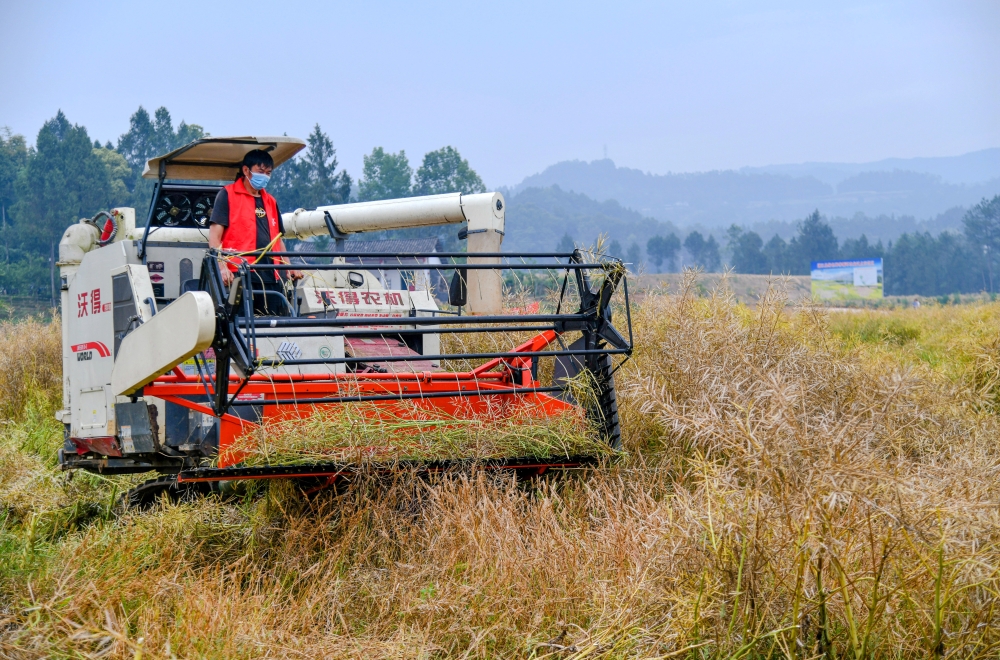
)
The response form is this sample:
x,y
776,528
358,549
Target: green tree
x,y
634,256
694,243
566,244
860,248
982,230
924,265
385,176
63,180
776,252
138,144
146,138
660,249
13,159
445,171
814,242
711,256
746,250
119,175
615,250
704,253
312,180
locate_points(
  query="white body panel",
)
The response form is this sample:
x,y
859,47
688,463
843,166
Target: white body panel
x,y
89,339
184,328
483,211
88,335
375,216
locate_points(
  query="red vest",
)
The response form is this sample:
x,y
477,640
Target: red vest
x,y
241,234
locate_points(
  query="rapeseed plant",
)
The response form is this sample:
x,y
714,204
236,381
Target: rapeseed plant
x,y
795,484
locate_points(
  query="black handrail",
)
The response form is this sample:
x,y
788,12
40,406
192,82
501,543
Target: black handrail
x,y
240,339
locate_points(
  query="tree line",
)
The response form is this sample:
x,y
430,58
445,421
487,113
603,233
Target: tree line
x,y
914,264
662,251
66,175
750,195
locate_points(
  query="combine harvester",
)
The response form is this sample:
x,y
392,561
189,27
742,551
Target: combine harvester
x,y
165,368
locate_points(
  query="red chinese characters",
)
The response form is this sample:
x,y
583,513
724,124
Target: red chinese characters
x,y
89,302
358,297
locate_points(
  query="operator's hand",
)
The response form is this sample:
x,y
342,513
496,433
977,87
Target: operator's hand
x,y
295,275
227,275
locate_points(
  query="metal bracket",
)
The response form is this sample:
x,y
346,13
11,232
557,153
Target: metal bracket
x,y
338,236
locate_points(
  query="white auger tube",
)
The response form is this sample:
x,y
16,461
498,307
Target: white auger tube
x,y
484,213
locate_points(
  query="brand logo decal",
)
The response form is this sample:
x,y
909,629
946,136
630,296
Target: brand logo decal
x,y
101,349
289,350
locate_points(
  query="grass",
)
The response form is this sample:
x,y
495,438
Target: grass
x,y
961,344
797,484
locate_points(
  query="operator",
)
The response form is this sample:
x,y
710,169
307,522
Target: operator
x,y
246,218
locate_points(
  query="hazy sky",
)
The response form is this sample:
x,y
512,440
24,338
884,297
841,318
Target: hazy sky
x,y
519,86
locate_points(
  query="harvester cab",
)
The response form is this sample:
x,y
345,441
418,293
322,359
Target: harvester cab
x,y
166,368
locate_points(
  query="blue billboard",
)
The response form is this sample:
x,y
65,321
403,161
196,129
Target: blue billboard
x,y
853,279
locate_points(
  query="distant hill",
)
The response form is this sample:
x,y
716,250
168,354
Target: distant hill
x,y
718,199
883,228
967,169
538,218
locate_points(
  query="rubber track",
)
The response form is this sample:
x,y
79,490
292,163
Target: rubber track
x,y
148,492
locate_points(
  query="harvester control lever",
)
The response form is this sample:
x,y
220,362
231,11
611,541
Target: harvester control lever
x,y
234,292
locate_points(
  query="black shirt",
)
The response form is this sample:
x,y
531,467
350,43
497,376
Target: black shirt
x,y
220,216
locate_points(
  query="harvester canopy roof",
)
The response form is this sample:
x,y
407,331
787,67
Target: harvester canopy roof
x,y
218,158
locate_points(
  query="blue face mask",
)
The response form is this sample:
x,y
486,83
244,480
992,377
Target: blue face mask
x,y
258,180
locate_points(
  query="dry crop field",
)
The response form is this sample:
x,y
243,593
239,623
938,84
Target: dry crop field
x,y
744,288
796,484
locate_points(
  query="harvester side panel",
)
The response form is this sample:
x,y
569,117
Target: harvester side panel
x,y
89,319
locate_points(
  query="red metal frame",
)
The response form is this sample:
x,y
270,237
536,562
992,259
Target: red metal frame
x,y
176,385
